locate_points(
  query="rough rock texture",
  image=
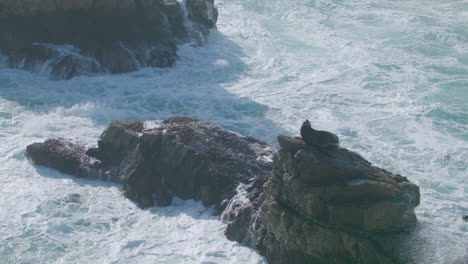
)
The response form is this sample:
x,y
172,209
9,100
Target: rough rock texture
x,y
325,206
75,37
64,156
155,160
202,12
303,204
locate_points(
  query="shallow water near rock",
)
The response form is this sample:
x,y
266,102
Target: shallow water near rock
x,y
390,78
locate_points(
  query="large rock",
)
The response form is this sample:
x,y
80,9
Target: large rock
x,y
299,205
155,160
75,37
325,206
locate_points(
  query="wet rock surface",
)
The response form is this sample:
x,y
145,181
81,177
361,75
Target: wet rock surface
x,y
301,204
67,38
155,160
62,155
325,206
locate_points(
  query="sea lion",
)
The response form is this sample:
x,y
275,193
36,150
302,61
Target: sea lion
x,y
318,138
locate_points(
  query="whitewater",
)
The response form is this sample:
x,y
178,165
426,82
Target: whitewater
x,y
390,78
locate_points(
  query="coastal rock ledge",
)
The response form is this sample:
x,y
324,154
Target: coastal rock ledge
x,y
66,38
295,206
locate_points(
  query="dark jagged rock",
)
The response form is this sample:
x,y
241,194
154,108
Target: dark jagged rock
x,y
203,13
305,205
155,160
75,37
325,206
245,224
64,156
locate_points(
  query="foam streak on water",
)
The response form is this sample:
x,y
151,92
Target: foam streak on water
x,y
389,77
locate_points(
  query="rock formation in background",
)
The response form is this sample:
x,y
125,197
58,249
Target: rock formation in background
x,y
67,38
300,205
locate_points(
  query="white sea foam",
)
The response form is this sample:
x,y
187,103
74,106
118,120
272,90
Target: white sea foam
x,y
239,199
151,124
388,77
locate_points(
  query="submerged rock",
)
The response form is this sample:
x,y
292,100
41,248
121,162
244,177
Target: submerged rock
x,y
325,206
75,37
155,160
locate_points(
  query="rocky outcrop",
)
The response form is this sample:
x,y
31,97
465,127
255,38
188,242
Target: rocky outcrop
x,y
64,156
303,204
76,37
155,160
325,206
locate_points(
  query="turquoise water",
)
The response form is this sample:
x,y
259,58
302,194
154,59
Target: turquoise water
x,y
389,77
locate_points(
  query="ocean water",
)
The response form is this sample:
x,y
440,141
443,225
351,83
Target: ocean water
x,y
389,77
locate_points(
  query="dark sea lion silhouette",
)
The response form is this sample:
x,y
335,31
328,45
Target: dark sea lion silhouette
x,y
318,138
